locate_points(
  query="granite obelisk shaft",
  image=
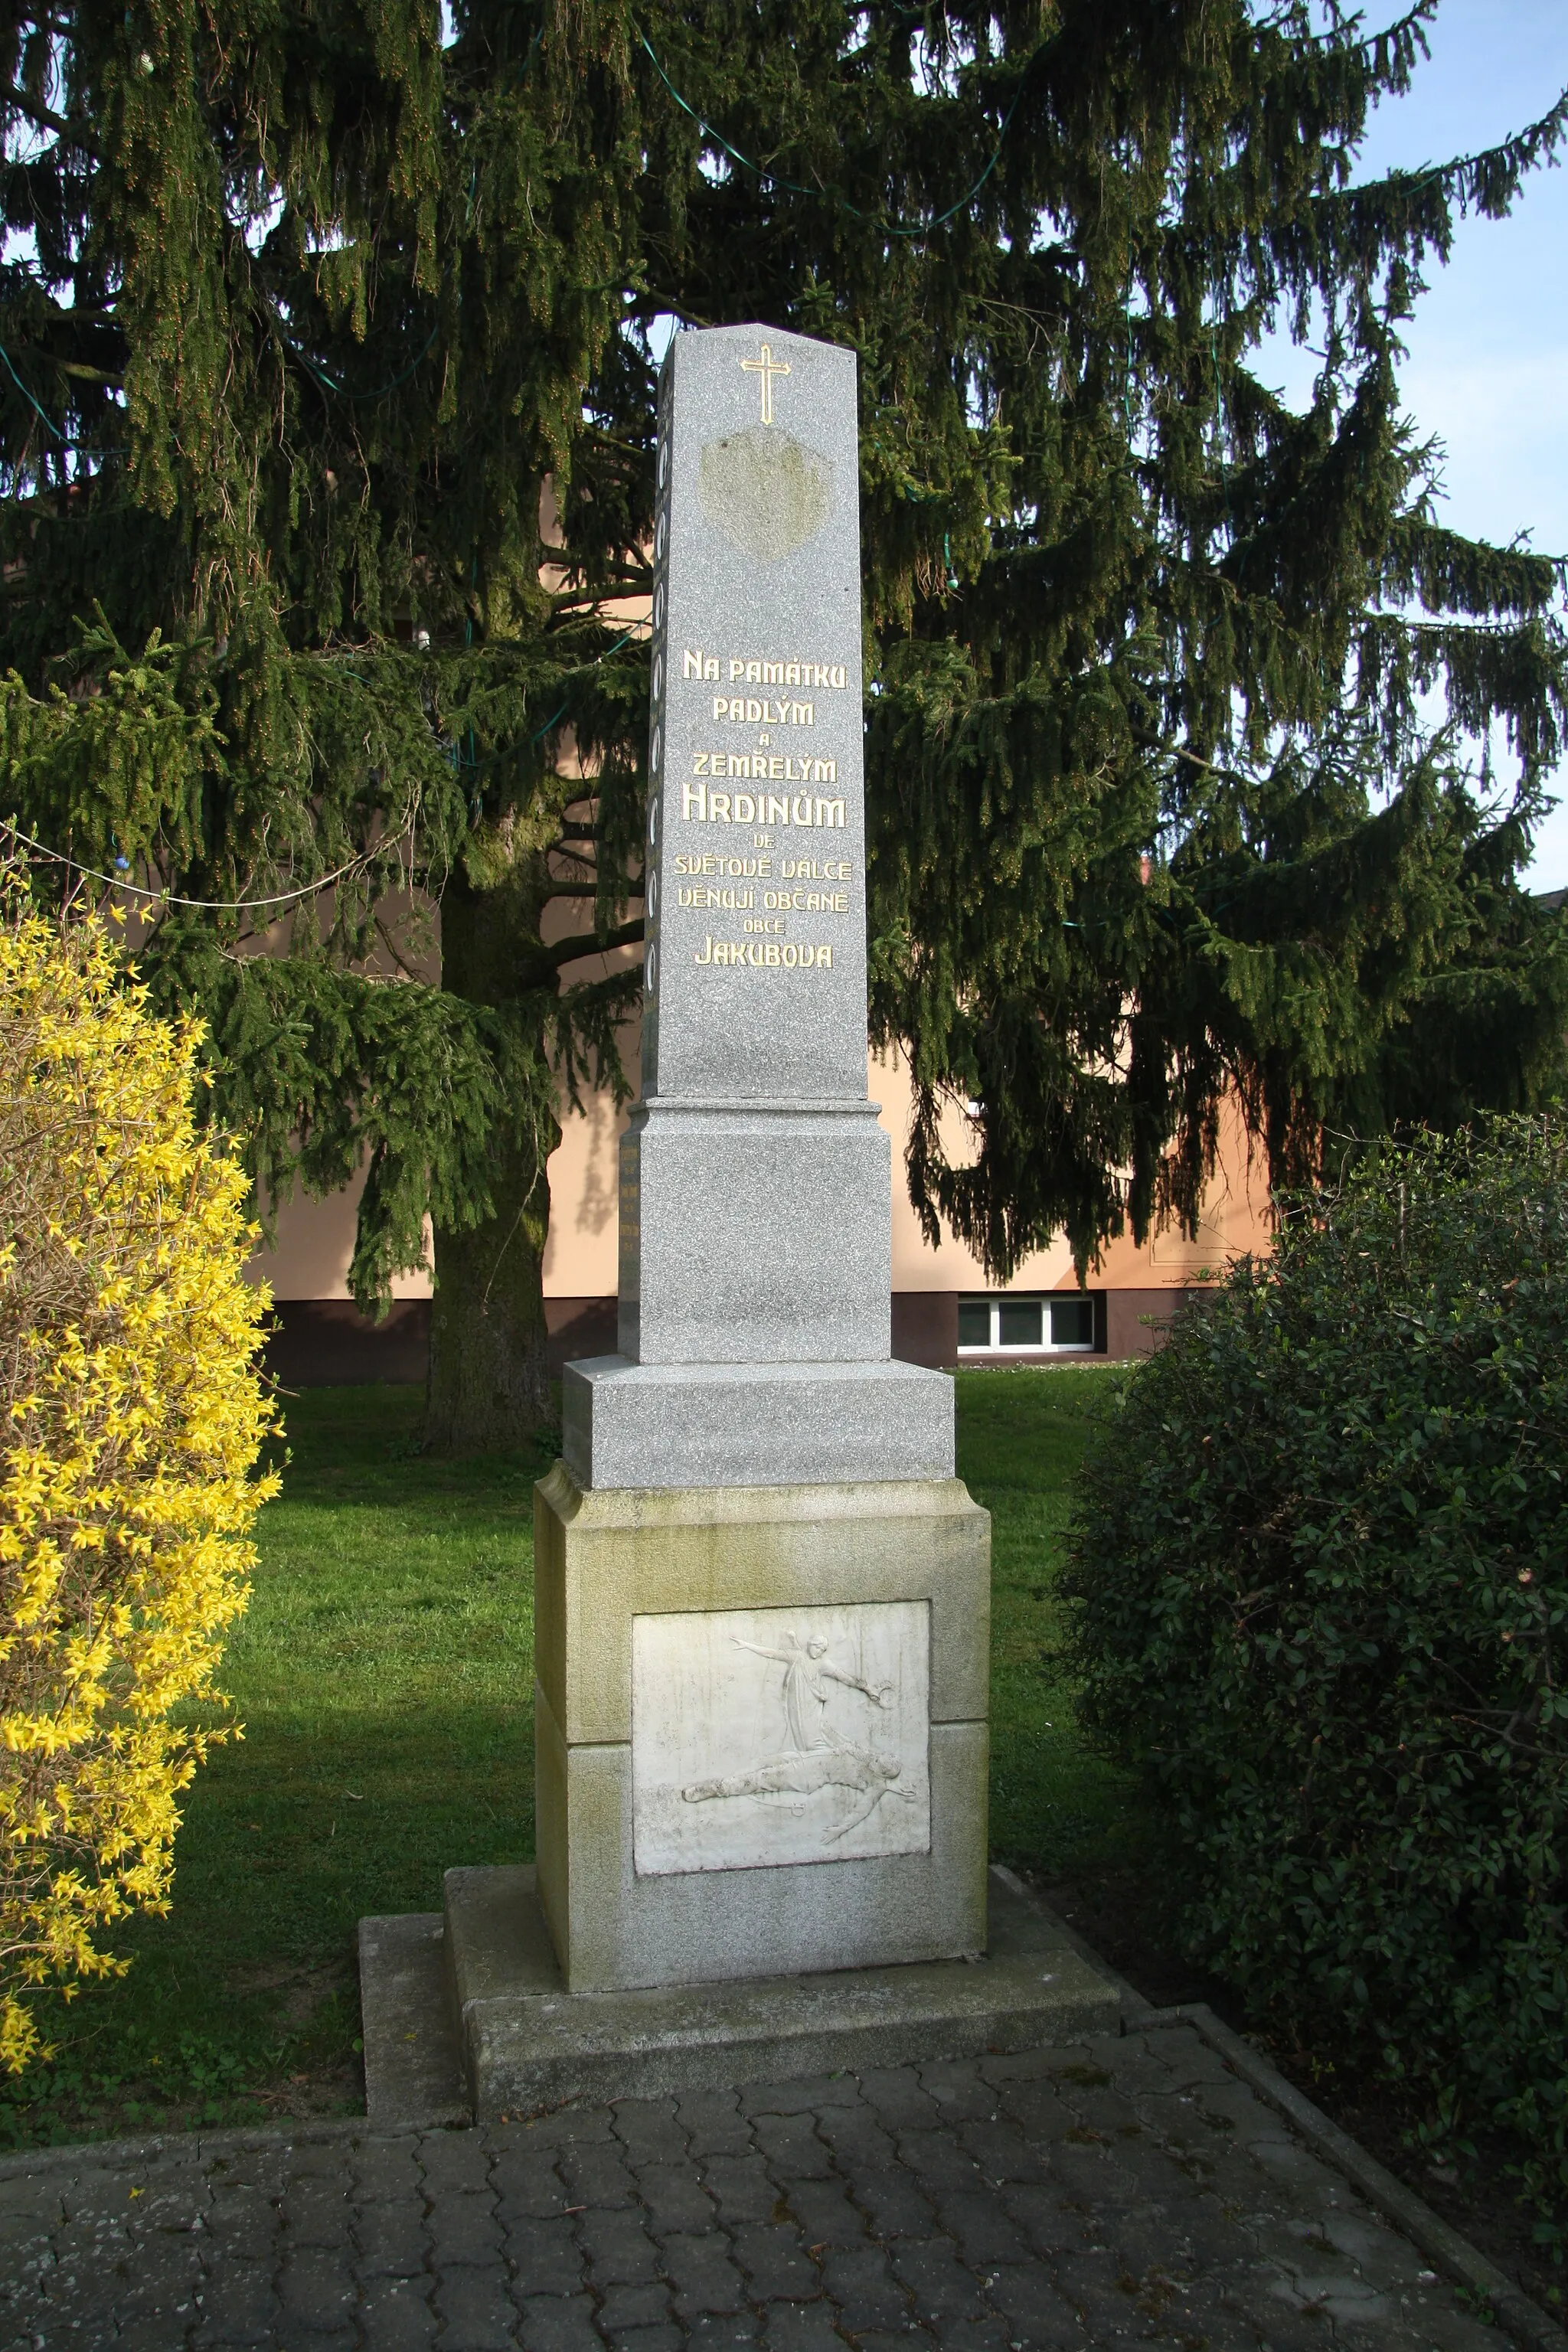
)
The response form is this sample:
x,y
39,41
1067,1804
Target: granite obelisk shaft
x,y
755,1228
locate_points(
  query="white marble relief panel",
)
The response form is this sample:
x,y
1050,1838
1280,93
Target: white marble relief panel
x,y
763,1737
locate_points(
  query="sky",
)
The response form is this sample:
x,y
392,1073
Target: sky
x,y
1487,365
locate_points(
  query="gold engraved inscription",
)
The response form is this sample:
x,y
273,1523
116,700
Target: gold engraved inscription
x,y
749,670
767,955
765,808
753,712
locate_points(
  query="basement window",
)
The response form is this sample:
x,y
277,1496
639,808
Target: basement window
x,y
1010,1324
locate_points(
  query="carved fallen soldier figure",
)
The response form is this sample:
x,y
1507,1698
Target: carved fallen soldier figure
x,y
817,1756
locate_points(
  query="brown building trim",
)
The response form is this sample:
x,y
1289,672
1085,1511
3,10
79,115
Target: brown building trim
x,y
1137,1320
925,1328
328,1343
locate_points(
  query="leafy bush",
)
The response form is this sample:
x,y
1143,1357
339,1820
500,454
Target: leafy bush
x,y
1318,1578
132,1418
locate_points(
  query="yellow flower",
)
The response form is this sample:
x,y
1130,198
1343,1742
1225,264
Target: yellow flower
x,y
133,1414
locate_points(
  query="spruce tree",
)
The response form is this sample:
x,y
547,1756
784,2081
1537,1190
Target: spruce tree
x,y
326,420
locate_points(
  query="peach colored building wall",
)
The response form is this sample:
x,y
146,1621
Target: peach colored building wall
x,y
315,1238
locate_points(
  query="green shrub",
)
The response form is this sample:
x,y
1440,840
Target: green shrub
x,y
1319,1580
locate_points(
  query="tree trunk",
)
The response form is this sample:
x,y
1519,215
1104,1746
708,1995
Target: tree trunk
x,y
488,1386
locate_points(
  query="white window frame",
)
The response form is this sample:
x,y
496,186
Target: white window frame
x,y
997,1346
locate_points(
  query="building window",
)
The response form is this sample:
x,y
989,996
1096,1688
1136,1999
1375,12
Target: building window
x,y
1009,1325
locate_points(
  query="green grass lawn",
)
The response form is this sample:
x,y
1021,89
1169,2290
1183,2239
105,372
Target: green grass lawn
x,y
384,1675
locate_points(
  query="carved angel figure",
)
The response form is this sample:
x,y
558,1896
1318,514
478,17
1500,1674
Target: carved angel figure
x,y
807,1667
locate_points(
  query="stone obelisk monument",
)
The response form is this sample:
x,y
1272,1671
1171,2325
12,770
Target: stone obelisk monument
x,y
762,1596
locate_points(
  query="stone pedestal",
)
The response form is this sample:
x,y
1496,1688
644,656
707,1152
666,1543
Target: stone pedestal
x,y
761,1738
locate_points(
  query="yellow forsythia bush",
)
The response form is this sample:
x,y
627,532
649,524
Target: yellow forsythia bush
x,y
132,1417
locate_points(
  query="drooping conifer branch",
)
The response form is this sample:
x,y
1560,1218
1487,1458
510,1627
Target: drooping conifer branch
x,y
327,543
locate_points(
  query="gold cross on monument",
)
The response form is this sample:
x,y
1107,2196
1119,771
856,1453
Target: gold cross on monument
x,y
767,367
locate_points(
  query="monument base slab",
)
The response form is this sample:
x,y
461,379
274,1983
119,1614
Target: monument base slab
x,y
761,1736
526,2043
735,1424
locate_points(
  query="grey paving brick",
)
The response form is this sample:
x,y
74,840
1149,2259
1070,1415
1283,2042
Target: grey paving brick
x,y
526,2181
859,2281
464,2230
548,2322
1124,2193
1290,2167
801,2328
1199,2316
1001,2150
940,2285
37,2196
598,2177
390,2238
894,2093
938,2160
1232,2110
476,2310
1144,2237
321,2159
316,2289
580,2124
667,2337
1035,2311
245,2224
453,2161
703,2275
396,2316
156,2333
626,2307
157,2277
825,2212
1160,2176
714,2123
386,2167
544,2254
981,2228
959,2088
674,2197
791,2146
1038,2109
1090,2170
650,2131
1110,2116
809,2094
1017,2065
1188,2056
317,2212
239,2305
721,2331
1048,2221
618,2249
893,2203
985,2335
856,2136
740,2187
1098,2290
776,2263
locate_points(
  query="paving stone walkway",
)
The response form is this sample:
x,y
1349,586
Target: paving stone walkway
x,y
1130,2191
